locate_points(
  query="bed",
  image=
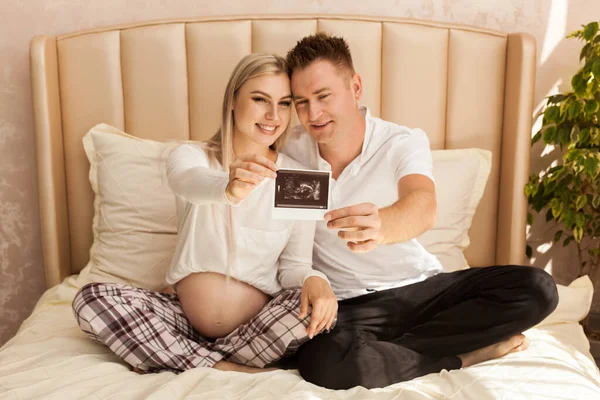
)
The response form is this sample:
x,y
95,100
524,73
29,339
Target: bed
x,y
162,81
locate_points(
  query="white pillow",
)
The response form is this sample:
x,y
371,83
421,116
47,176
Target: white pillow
x,y
574,302
135,224
460,179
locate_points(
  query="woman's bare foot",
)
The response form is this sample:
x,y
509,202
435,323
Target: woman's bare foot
x,y
229,366
511,345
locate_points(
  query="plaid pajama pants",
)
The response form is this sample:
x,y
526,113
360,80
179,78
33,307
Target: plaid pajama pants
x,y
150,332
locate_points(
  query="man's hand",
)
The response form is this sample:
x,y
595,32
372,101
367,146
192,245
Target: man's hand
x,y
360,226
317,293
245,173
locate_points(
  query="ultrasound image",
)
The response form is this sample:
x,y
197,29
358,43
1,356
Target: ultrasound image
x,y
301,189
297,189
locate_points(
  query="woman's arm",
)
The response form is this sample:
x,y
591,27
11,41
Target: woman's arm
x,y
295,261
295,270
191,178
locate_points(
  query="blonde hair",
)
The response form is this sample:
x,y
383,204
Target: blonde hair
x,y
219,147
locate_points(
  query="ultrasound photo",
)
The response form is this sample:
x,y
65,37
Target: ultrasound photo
x,y
297,192
301,189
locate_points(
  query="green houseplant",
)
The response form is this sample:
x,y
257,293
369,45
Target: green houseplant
x,y
569,192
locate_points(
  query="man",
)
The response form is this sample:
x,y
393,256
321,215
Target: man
x,y
399,317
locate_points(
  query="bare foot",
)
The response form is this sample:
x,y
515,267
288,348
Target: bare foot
x,y
511,345
229,366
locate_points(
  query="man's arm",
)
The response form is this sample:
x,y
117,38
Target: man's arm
x,y
364,226
413,214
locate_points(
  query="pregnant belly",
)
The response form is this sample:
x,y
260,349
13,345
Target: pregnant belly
x,y
214,306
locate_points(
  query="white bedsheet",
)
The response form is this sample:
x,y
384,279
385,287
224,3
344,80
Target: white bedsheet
x,y
51,358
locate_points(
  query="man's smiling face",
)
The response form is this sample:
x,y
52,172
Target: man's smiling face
x,y
325,96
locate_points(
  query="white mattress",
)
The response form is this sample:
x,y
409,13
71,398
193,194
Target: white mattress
x,y
51,358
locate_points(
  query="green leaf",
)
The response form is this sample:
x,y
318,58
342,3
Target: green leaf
x,y
574,134
581,202
550,134
569,218
578,233
594,134
570,155
574,110
576,82
568,240
584,136
590,31
585,51
596,201
549,216
555,168
556,209
557,98
539,202
549,188
591,166
579,220
576,34
581,84
528,251
552,113
531,188
557,236
591,106
536,137
529,218
596,68
563,134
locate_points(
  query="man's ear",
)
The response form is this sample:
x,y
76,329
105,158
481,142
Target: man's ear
x,y
356,85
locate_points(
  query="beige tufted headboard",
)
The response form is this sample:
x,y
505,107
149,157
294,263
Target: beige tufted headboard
x,y
465,86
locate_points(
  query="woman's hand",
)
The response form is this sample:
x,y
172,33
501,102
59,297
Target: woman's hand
x,y
317,293
168,290
245,173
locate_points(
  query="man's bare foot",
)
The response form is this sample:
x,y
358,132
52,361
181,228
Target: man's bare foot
x,y
229,366
511,345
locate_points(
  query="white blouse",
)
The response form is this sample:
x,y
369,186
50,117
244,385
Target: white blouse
x,y
270,254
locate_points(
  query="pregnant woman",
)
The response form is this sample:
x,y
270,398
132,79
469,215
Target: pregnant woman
x,y
232,262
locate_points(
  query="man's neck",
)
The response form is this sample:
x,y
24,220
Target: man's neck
x,y
339,154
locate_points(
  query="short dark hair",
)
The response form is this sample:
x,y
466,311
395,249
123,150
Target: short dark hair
x,y
320,46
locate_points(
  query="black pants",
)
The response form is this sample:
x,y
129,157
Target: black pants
x,y
400,334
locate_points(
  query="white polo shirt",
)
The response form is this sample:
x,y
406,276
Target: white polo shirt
x,y
389,152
